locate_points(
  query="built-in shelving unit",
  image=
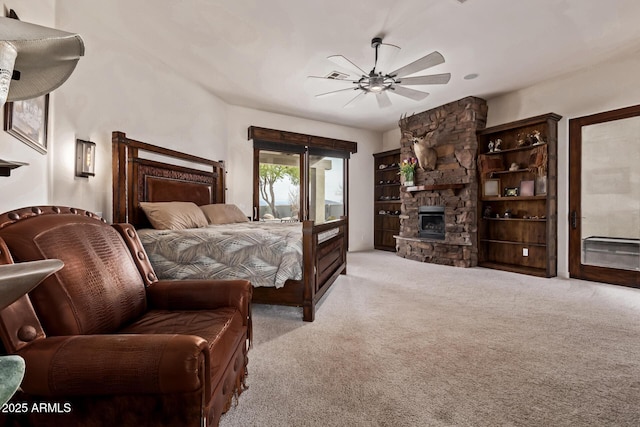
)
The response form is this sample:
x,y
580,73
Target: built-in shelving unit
x,y
386,199
517,217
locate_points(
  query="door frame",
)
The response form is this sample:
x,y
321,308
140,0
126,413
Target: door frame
x,y
576,268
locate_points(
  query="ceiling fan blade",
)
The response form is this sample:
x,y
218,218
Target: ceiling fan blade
x,y
335,91
387,54
431,60
346,64
416,95
383,100
434,79
332,80
359,97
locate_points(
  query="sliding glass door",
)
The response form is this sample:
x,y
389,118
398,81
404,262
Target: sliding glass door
x,y
299,177
279,185
326,188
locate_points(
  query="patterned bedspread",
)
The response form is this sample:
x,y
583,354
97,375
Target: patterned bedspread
x,y
267,254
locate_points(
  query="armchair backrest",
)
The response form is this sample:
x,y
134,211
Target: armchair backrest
x,y
99,289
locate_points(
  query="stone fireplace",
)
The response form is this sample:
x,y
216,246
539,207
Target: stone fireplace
x,y
438,220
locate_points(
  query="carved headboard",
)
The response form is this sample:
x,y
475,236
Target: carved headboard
x,y
137,177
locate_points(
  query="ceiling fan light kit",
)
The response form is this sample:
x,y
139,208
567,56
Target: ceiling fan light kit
x,y
380,83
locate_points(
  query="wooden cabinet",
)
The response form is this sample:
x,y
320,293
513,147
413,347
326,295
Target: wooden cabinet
x,y
517,218
386,199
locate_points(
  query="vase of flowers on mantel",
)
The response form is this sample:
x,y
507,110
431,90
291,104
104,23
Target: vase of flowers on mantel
x,y
408,171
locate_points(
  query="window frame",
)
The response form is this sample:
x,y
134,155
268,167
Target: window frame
x,y
306,145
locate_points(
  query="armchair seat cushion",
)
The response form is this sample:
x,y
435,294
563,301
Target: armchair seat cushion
x,y
222,328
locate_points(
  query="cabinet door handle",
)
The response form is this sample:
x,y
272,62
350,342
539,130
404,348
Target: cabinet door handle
x,y
574,219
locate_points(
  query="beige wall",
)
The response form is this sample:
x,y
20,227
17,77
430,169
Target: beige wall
x,y
27,185
391,139
117,87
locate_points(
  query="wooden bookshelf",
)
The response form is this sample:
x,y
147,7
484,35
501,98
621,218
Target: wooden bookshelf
x,y
386,199
519,178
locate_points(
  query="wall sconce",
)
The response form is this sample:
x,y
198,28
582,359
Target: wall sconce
x,y
85,158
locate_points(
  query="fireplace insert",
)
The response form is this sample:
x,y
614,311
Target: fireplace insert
x,y
431,222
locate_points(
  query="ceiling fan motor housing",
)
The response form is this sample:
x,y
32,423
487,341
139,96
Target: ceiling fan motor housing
x,y
375,83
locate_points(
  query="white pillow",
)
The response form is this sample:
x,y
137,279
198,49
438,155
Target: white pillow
x,y
174,215
221,213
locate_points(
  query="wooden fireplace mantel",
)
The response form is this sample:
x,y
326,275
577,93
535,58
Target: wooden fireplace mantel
x,y
433,187
428,240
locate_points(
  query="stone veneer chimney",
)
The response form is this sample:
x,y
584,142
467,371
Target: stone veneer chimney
x,y
453,184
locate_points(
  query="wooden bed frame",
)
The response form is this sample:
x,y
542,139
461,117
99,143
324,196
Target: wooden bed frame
x,y
139,177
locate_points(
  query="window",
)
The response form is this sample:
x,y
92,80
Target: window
x,y
296,177
279,185
326,188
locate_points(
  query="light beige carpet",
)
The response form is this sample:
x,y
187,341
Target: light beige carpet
x,y
402,343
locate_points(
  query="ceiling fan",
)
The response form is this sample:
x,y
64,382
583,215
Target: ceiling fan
x,y
380,83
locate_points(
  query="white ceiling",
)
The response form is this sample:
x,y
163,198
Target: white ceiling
x,y
258,53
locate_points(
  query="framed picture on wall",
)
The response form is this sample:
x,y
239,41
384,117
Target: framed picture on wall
x,y
27,120
491,188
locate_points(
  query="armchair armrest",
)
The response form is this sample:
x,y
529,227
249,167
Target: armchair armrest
x,y
203,295
200,295
83,365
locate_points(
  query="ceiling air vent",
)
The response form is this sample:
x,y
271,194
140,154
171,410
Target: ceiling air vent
x,y
336,75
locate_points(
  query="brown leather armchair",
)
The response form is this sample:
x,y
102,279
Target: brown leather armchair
x,y
107,344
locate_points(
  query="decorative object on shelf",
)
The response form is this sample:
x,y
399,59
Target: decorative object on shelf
x,y
498,145
538,160
85,158
541,185
488,210
408,170
491,146
511,191
527,188
536,137
521,141
514,167
491,188
15,281
508,214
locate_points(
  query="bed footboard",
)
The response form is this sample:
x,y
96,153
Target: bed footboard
x,y
325,258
